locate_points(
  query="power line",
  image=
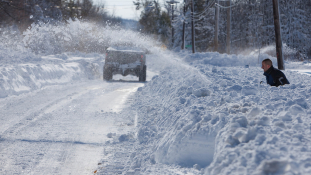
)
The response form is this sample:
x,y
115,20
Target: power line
x,y
120,5
225,7
118,8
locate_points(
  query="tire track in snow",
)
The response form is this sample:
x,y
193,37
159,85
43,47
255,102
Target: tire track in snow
x,y
63,134
39,113
9,138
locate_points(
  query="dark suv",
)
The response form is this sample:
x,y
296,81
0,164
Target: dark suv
x,y
125,62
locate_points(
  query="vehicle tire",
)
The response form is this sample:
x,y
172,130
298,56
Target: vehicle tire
x,y
107,74
143,74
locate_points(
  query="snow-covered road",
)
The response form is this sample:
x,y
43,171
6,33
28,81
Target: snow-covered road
x,y
60,129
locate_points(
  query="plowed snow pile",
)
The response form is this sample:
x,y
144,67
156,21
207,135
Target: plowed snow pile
x,y
219,119
20,78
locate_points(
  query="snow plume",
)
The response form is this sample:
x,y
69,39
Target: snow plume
x,y
72,36
12,49
79,36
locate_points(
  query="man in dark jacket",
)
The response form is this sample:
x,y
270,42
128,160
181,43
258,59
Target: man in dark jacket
x,y
274,76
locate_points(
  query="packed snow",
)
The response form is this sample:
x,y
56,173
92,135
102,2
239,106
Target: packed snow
x,y
202,113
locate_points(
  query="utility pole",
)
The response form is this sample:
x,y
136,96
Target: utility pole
x,y
172,3
278,36
183,28
216,26
228,39
192,27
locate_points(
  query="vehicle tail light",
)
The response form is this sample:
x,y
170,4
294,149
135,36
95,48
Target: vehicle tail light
x,y
141,58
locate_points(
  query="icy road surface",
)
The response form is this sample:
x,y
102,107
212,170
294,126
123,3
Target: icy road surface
x,y
61,129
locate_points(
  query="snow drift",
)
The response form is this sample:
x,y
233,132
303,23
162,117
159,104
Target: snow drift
x,y
21,78
219,117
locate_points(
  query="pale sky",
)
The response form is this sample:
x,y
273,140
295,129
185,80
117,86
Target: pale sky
x,y
121,8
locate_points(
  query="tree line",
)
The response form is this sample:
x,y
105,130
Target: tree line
x,y
25,12
241,24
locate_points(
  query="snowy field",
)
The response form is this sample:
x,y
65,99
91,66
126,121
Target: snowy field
x,y
203,113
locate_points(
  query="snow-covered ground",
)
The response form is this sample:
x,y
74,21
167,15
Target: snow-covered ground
x,y
203,113
210,115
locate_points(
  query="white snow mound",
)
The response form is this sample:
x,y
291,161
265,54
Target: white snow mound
x,y
223,120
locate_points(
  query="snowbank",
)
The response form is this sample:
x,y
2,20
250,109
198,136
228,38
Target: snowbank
x,y
217,59
20,78
221,119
